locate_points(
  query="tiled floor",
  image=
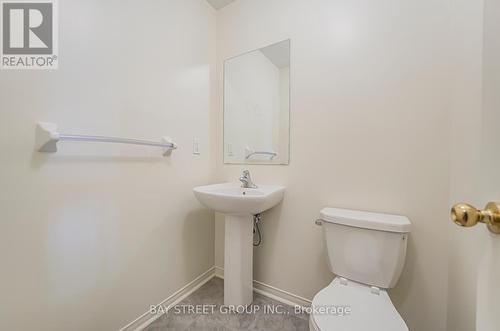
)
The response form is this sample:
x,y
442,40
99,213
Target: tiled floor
x,y
217,318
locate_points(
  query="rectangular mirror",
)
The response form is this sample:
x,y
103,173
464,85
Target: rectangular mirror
x,y
257,106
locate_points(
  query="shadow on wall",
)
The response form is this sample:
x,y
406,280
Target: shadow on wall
x,y
400,293
271,227
39,159
268,255
193,231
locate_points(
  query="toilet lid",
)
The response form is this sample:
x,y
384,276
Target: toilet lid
x,y
354,307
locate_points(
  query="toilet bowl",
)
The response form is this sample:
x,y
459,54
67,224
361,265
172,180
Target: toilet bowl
x,y
367,252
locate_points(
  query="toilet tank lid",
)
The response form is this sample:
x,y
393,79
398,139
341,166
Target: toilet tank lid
x,y
366,220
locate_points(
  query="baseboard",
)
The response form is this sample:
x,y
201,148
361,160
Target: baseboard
x,y
219,272
280,295
272,292
147,318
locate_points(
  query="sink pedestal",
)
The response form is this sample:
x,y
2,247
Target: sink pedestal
x,y
230,199
238,260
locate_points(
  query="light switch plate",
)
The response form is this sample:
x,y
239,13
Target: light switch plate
x,y
196,146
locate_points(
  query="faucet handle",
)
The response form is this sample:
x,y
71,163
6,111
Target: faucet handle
x,y
246,179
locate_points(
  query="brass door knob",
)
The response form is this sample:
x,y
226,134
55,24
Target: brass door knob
x,y
466,215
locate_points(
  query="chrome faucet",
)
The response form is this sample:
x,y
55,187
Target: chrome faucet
x,y
246,180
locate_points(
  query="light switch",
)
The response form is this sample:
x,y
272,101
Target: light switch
x,y
196,146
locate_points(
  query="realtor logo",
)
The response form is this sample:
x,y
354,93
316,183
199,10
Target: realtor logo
x,y
29,35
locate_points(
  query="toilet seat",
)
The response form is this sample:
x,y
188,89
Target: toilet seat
x,y
370,309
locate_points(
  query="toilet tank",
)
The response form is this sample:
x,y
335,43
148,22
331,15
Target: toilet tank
x,y
365,247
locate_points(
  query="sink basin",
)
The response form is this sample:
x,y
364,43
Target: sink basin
x,y
232,199
238,206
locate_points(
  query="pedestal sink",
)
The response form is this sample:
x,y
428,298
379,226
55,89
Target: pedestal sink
x,y
238,206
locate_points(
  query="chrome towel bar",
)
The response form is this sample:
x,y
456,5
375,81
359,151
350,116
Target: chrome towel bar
x,y
249,153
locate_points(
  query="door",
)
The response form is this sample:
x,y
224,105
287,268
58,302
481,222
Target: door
x,y
488,282
474,278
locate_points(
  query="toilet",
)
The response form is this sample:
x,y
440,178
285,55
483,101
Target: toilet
x,y
367,252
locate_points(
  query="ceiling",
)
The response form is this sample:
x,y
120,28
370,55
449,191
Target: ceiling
x,y
218,4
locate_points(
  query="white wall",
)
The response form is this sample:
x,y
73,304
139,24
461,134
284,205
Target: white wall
x,y
92,235
369,130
